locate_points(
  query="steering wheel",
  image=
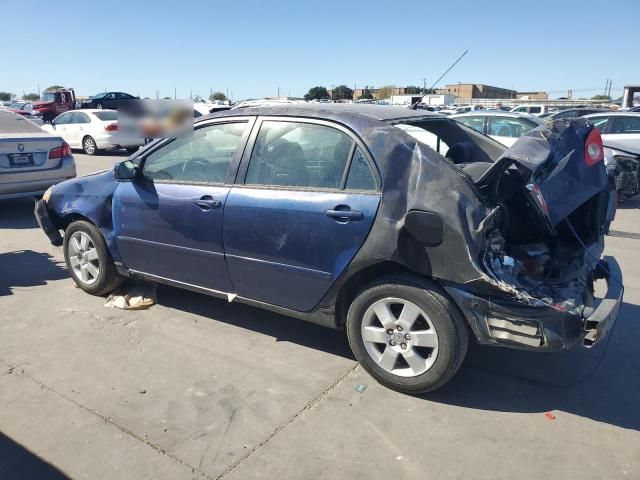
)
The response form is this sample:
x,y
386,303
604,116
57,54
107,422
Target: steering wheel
x,y
195,162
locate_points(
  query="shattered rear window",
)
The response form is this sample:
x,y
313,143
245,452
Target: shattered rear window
x,y
426,137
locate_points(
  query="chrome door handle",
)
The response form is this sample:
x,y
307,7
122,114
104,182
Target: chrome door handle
x,y
207,202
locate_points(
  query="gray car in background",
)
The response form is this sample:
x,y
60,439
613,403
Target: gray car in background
x,y
31,160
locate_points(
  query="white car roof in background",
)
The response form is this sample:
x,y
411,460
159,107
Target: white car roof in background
x,y
613,113
496,113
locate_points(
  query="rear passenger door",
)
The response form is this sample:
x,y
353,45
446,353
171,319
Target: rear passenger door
x,y
305,200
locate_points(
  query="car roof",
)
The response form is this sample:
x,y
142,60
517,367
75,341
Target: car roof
x,y
610,113
12,124
497,113
343,112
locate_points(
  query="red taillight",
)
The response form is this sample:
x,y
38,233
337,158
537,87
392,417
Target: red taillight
x,y
112,127
536,194
593,149
60,152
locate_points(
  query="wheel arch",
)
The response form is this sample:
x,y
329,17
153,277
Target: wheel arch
x,y
363,277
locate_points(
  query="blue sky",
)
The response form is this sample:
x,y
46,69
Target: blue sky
x,y
253,47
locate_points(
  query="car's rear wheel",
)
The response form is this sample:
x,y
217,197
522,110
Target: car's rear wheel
x,y
89,146
88,259
407,334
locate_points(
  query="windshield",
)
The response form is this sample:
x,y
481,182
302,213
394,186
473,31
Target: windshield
x,y
99,95
107,116
48,96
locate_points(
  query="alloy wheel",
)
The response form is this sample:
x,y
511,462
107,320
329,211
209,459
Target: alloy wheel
x,y
89,146
83,257
399,336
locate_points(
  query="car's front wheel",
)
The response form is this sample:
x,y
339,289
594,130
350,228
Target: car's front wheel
x,y
89,146
407,334
88,259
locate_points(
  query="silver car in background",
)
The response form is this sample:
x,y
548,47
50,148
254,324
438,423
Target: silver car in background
x,y
31,160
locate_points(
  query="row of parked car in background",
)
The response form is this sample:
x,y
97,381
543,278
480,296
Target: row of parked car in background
x,y
91,125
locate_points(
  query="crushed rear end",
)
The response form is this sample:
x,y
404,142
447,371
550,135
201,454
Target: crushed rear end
x,y
551,202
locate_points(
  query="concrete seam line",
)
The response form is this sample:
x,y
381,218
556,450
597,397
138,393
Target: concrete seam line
x,y
309,406
106,419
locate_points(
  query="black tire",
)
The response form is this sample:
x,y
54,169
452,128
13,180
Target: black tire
x,y
450,326
47,117
108,278
89,146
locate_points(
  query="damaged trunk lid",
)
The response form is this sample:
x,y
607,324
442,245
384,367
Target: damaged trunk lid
x,y
553,202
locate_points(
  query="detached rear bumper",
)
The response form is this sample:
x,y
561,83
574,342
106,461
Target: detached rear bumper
x,y
42,216
509,323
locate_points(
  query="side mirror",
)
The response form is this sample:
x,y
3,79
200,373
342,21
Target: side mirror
x,y
126,170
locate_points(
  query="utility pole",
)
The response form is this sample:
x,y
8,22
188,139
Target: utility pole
x,y
609,91
174,93
227,93
278,92
424,86
606,85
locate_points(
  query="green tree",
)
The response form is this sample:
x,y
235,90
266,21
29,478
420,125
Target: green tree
x,y
54,87
342,92
412,90
601,97
385,92
32,97
366,94
317,93
217,97
4,96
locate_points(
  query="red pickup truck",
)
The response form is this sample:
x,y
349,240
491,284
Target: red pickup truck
x,y
53,103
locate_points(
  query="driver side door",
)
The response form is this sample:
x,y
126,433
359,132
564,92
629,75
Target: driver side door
x,y
168,221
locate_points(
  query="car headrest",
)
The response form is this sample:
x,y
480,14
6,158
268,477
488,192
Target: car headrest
x,y
461,152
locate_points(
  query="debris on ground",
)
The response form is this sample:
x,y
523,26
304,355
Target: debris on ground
x,y
133,297
361,387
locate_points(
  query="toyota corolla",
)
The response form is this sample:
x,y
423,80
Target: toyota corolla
x,y
413,233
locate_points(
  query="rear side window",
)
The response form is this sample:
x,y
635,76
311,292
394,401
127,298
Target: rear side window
x,y
297,154
107,116
79,117
535,109
625,124
203,157
360,175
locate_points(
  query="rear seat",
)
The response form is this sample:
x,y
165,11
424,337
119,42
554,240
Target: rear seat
x,y
462,154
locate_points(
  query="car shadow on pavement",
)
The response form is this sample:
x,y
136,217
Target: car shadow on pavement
x,y
280,327
18,462
26,268
629,203
599,383
17,214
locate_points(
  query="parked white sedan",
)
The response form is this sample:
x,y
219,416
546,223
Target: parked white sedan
x,y
92,130
504,127
621,139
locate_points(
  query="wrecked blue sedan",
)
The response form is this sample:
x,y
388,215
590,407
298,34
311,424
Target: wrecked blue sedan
x,y
410,231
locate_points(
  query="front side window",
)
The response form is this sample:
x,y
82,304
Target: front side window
x,y
625,124
203,157
297,154
476,123
63,119
508,127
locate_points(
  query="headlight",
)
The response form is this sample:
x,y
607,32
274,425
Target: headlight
x,y
47,195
